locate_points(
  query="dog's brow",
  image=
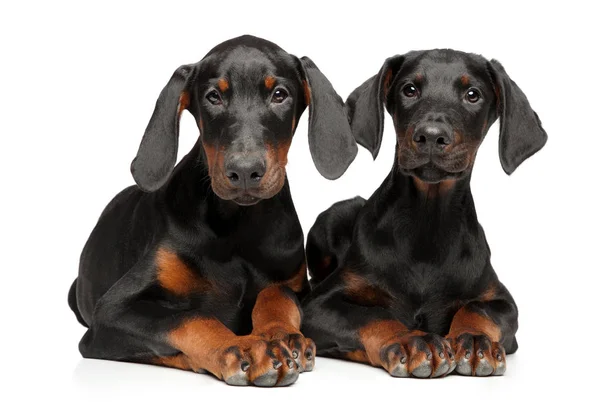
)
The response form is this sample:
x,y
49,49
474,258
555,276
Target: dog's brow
x,y
223,85
269,82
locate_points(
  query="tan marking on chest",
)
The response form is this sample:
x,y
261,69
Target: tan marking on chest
x,y
299,280
175,275
363,292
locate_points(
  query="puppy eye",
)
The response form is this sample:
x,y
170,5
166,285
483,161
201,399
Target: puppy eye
x,y
410,90
214,97
279,95
473,95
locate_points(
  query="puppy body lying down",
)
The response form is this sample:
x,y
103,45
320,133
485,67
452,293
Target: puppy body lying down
x,y
403,280
201,267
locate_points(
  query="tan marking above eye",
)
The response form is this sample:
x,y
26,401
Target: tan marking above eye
x,y
223,85
269,82
464,80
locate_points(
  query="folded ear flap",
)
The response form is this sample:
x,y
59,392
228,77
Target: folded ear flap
x,y
330,140
157,153
521,132
365,105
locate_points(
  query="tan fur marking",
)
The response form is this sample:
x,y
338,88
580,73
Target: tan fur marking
x,y
465,80
458,139
269,82
223,85
465,321
180,361
184,102
202,341
483,129
357,356
176,277
361,290
375,334
298,281
306,92
433,190
275,313
489,294
386,82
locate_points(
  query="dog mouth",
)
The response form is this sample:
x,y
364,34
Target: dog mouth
x,y
248,196
433,168
247,199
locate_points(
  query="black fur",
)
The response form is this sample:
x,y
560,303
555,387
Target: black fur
x,y
417,240
240,239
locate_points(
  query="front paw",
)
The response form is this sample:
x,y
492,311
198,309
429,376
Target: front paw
x,y
419,355
303,349
477,355
251,360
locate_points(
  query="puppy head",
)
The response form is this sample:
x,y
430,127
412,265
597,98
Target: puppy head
x,y
247,96
443,103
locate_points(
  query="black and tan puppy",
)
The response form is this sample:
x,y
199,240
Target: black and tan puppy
x,y
404,280
201,267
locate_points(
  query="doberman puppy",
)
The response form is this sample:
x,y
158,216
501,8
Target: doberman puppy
x,y
201,267
403,280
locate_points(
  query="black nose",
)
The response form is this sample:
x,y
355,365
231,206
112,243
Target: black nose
x,y
245,171
432,136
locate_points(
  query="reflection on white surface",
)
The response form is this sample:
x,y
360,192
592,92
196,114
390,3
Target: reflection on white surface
x,y
334,384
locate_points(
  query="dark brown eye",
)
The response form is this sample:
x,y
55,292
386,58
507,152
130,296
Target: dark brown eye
x,y
410,90
279,95
473,96
214,98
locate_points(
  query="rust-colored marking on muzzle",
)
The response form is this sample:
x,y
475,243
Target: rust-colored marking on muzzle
x,y
433,190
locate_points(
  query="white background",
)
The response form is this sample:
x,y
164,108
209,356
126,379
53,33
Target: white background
x,y
78,85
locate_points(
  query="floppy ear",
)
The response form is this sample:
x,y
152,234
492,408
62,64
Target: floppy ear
x,y
365,105
330,140
521,132
157,154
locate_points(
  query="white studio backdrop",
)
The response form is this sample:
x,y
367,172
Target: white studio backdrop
x,y
79,82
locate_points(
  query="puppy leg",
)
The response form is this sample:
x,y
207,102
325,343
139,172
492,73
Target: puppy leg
x,y
481,330
128,325
349,317
276,316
